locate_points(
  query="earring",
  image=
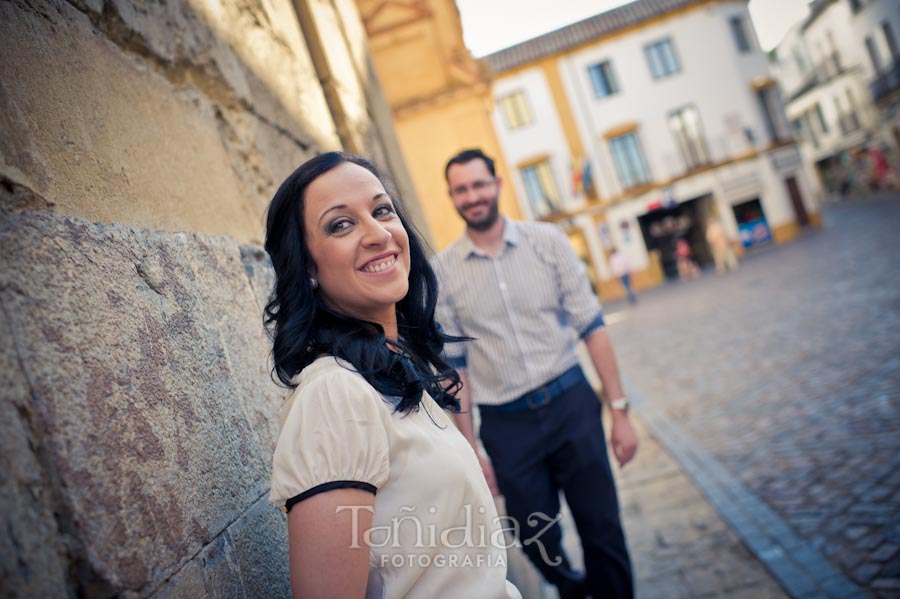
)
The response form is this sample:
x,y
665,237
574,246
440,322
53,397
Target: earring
x,y
313,282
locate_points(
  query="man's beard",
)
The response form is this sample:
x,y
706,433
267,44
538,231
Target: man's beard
x,y
488,220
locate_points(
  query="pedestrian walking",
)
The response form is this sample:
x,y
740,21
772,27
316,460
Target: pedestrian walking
x,y
621,269
882,176
519,290
687,268
723,253
352,317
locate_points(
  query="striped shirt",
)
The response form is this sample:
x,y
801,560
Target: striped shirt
x,y
520,306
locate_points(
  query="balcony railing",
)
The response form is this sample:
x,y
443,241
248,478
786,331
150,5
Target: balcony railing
x,y
887,82
810,82
820,74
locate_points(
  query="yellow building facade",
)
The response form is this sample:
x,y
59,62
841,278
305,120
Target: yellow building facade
x,y
440,98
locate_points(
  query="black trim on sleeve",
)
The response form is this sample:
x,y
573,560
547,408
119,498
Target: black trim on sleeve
x,y
338,484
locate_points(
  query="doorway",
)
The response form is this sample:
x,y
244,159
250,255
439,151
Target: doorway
x,y
662,227
797,201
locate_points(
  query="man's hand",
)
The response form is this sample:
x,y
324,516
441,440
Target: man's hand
x,y
623,438
488,471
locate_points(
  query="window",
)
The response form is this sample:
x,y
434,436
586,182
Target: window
x,y
773,113
602,79
851,100
873,55
890,39
810,130
739,31
848,121
798,58
823,125
822,64
540,188
685,126
851,119
515,110
629,160
662,59
835,56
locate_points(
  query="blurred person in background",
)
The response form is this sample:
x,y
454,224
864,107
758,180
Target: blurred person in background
x,y
621,269
520,292
723,253
687,268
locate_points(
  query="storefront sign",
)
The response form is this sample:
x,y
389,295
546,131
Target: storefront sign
x,y
754,232
785,158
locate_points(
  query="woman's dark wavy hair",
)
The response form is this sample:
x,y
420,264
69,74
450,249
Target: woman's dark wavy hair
x,y
304,328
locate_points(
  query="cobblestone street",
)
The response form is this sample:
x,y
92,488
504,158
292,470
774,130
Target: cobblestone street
x,y
784,379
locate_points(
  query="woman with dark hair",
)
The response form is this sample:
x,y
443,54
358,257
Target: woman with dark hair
x,y
385,498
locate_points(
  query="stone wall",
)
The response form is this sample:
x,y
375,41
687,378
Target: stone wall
x,y
183,114
140,143
138,414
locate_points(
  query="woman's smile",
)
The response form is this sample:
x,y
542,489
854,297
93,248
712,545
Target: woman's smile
x,y
380,264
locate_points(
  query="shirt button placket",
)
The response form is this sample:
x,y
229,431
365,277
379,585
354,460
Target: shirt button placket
x,y
510,313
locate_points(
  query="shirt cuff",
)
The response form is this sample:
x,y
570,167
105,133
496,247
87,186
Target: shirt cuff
x,y
597,323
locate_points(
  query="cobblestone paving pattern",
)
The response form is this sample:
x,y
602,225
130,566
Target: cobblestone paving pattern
x,y
680,546
788,373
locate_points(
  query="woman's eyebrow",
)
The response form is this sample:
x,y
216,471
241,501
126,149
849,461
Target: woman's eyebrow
x,y
335,207
375,198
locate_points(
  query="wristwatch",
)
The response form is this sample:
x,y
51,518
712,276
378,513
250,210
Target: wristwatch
x,y
619,404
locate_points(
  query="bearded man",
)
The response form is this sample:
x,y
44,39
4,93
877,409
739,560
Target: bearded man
x,y
519,291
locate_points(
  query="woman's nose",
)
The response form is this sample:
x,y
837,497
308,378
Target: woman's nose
x,y
375,233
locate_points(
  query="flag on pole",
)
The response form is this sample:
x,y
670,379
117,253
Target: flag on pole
x,y
587,178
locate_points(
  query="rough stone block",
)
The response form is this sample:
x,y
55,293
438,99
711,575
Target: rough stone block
x,y
188,582
32,554
259,271
147,368
263,565
221,571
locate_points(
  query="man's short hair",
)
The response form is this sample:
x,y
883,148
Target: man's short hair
x,y
468,156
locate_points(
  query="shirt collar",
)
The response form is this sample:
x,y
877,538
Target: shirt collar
x,y
510,238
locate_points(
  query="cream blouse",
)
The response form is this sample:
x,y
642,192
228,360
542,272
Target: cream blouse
x,y
435,530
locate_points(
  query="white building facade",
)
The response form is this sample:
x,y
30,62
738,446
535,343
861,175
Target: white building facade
x,y
634,127
839,71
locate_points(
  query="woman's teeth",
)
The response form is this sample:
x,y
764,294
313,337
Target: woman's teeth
x,y
379,266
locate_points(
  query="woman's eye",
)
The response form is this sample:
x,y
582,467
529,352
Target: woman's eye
x,y
338,226
384,210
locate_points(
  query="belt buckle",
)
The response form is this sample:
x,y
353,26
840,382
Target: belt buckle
x,y
546,398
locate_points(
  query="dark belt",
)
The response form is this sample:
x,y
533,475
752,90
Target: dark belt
x,y
542,395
